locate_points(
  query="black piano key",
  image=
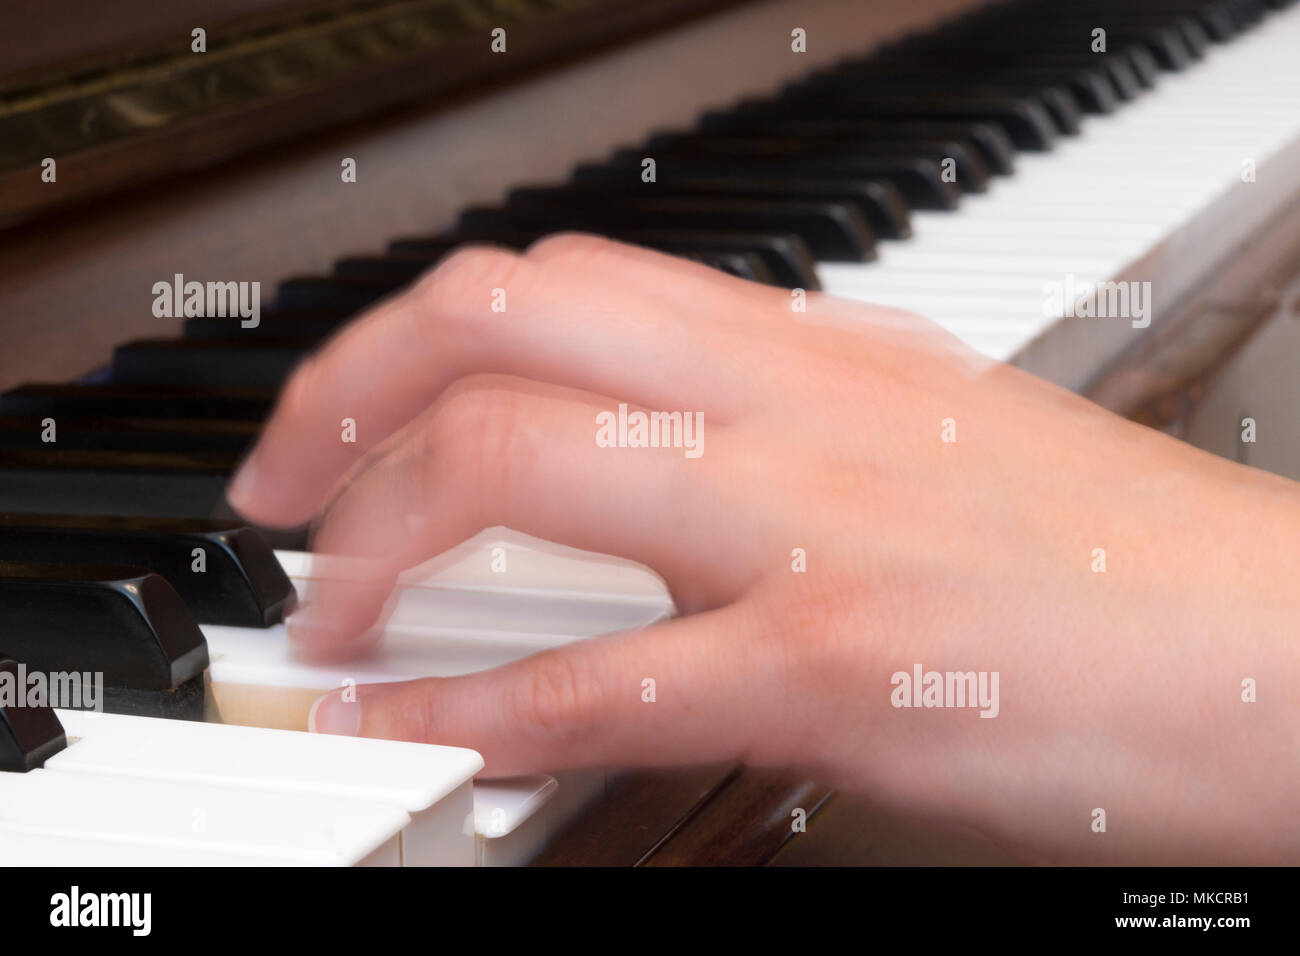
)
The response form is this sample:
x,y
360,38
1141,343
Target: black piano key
x,y
397,268
919,180
123,623
1027,121
304,326
1092,87
1099,89
1142,62
393,271
1123,76
1063,107
248,362
1193,34
1217,21
128,434
1053,101
29,735
833,231
1124,63
991,142
147,484
346,294
133,401
432,249
129,484
742,265
239,581
971,171
879,203
1172,46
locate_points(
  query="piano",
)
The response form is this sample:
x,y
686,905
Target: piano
x,y
988,165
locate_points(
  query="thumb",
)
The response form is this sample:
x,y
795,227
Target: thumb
x,y
677,693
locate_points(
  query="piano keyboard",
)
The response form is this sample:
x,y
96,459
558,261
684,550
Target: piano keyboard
x,y
1123,165
1129,198
406,804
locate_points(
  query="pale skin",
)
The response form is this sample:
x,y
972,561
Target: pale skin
x,y
824,430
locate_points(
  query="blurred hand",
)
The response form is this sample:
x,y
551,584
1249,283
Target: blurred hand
x,y
949,512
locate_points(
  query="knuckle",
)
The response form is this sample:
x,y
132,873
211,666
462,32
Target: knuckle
x,y
477,413
480,439
570,248
299,401
467,277
553,699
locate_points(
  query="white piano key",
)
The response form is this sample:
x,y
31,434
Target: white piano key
x,y
197,821
529,563
455,615
516,817
432,784
510,818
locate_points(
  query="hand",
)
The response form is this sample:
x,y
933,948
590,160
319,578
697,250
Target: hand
x,y
950,512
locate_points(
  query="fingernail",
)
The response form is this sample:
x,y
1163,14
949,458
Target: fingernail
x,y
244,485
331,714
299,621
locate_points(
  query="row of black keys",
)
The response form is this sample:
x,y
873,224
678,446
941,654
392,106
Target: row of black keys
x,y
123,599
762,190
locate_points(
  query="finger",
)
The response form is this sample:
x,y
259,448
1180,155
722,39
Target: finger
x,y
677,693
384,369
496,451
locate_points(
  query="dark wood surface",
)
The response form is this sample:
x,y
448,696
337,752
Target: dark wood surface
x,y
700,816
734,816
642,812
